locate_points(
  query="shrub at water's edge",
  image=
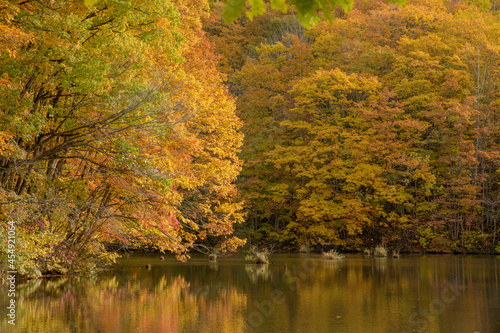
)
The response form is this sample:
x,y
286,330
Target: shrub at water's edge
x,y
258,256
333,255
380,251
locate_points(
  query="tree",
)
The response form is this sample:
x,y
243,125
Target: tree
x,y
108,136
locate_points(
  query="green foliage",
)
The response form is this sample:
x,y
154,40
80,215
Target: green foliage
x,y
41,249
425,235
475,241
306,10
90,2
233,9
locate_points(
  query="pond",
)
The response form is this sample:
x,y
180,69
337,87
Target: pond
x,y
431,293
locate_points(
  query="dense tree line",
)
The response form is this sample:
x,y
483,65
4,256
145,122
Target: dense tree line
x,y
380,127
122,125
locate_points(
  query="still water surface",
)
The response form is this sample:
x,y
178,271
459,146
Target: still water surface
x,y
434,293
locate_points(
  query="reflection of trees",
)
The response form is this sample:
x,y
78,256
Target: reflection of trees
x,y
108,305
380,264
333,264
318,295
257,272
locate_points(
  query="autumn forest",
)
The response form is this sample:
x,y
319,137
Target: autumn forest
x,y
156,125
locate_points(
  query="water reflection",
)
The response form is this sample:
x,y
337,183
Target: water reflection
x,y
257,271
358,294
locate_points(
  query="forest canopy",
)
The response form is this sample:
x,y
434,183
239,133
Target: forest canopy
x,y
160,125
115,131
378,127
